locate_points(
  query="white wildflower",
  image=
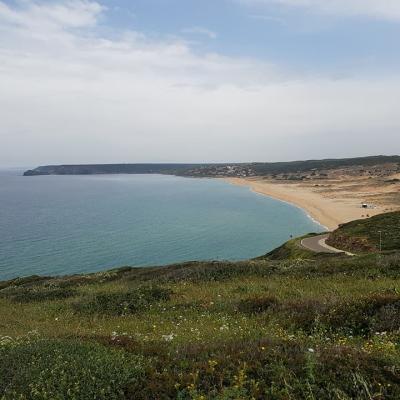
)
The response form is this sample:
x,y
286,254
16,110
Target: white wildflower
x,y
5,340
168,338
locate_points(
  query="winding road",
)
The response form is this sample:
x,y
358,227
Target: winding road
x,y
318,244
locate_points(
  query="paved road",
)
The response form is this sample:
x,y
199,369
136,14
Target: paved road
x,y
318,245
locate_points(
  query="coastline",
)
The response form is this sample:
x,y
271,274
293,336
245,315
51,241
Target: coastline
x,y
291,203
329,212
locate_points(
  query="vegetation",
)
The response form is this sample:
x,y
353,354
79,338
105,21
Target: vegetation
x,y
36,293
121,303
368,234
309,165
289,325
60,369
292,250
241,169
89,169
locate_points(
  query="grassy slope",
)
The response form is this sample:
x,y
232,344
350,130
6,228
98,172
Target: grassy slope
x,y
363,235
293,250
295,328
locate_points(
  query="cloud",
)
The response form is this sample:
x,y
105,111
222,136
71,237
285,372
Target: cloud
x,y
198,30
380,9
70,94
268,18
41,16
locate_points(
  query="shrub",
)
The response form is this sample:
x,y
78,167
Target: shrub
x,y
386,319
216,271
378,312
25,281
369,314
304,314
256,305
66,370
122,303
267,369
37,293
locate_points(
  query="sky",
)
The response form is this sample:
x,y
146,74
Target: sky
x,y
112,81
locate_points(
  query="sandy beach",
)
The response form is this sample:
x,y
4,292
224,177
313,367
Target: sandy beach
x,y
330,202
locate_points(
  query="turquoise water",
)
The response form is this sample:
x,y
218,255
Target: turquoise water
x,y
53,225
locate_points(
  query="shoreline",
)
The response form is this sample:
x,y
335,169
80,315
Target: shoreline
x,y
303,209
329,212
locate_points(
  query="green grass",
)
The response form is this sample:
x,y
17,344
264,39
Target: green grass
x,y
363,235
61,369
293,325
121,303
293,250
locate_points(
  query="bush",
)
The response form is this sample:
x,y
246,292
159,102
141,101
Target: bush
x,y
267,369
386,319
66,370
304,314
199,271
369,314
122,303
25,281
256,305
378,312
37,293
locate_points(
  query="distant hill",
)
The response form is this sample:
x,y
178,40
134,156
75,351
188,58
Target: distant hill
x,y
302,166
214,170
363,235
92,169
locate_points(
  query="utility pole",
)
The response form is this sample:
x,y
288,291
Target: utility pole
x,y
379,256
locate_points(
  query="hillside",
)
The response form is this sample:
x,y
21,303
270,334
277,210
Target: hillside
x,y
298,168
289,325
93,169
366,235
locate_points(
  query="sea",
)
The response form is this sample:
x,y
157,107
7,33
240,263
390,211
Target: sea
x,y
60,225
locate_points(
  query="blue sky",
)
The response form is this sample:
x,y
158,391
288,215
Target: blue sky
x,y
186,80
296,37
